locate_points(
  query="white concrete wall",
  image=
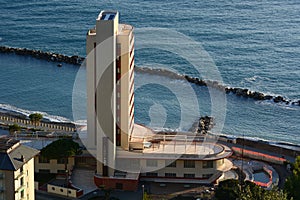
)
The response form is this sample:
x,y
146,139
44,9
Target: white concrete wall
x,y
53,166
61,191
180,170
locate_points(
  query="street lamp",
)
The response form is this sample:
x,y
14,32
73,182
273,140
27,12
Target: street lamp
x,y
67,174
143,188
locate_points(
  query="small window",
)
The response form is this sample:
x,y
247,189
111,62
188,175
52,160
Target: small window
x,y
62,161
151,163
170,174
43,159
152,174
61,190
207,176
46,171
189,164
22,193
69,191
22,181
208,164
21,169
189,175
53,188
173,164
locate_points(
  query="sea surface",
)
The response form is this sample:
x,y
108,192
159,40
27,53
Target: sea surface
x,y
253,44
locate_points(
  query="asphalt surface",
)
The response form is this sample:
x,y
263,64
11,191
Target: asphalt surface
x,y
41,195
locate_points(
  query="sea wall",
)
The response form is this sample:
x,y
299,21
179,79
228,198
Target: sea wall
x,y
77,60
9,119
49,56
240,92
202,125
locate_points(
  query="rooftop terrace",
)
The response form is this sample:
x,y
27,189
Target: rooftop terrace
x,y
170,146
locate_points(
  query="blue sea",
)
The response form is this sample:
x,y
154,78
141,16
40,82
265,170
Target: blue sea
x,y
253,44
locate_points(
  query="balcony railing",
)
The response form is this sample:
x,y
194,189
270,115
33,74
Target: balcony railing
x,y
19,175
19,188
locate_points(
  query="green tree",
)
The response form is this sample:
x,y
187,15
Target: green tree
x,y
228,189
146,196
261,194
62,148
35,118
292,184
13,128
232,190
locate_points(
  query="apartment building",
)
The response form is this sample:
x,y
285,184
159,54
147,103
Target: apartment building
x,y
16,170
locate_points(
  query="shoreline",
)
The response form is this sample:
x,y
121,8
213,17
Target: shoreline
x,y
24,122
286,149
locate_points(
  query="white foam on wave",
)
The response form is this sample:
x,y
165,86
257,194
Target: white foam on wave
x,y
82,122
252,79
280,105
6,108
158,129
256,78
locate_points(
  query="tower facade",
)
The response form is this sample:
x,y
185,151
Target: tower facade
x,y
110,96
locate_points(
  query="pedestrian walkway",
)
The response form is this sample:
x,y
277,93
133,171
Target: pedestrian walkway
x,y
83,179
46,126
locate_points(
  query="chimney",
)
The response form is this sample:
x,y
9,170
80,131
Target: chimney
x,y
22,158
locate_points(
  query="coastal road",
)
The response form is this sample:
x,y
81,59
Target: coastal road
x,y
41,195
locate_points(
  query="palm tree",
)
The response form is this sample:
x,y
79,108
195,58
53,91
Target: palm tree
x,y
35,118
13,128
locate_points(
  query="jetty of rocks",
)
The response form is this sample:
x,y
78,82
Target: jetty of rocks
x,y
77,60
49,56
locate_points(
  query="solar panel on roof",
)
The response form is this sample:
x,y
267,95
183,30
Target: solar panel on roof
x,y
111,17
102,17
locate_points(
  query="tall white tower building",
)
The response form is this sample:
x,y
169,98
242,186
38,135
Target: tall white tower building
x,y
128,152
110,75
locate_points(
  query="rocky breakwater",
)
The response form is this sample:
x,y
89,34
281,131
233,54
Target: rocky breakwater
x,y
49,56
159,72
242,92
203,125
